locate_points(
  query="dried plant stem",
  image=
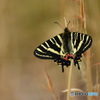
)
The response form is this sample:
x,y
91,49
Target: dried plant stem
x,y
82,16
65,21
50,85
89,77
88,56
97,78
69,80
97,81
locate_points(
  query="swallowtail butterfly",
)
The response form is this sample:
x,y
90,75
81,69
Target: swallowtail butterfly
x,y
64,47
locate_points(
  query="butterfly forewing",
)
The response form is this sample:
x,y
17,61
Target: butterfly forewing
x,y
49,49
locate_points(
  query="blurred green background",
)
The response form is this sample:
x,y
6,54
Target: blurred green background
x,y
24,25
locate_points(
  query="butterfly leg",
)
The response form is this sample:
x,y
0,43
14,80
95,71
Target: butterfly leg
x,y
76,63
60,62
62,68
77,59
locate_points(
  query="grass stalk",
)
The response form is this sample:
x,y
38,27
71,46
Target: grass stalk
x,y
50,85
69,80
88,55
97,81
89,76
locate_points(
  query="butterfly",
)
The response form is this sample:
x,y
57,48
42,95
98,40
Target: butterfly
x,y
64,47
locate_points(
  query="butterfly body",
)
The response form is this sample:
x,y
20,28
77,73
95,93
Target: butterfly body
x,y
64,47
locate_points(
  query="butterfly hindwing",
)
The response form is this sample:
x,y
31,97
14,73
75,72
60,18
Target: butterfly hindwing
x,y
80,42
75,43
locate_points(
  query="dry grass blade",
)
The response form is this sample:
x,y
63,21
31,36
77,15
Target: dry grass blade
x,y
88,56
89,76
88,53
50,85
82,15
65,21
97,81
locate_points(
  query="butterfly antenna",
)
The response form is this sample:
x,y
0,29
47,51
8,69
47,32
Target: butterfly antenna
x,y
58,24
62,68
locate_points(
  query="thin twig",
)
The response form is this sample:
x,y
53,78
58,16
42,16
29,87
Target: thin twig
x,y
65,21
50,85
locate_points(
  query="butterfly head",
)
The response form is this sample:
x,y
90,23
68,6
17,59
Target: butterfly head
x,y
66,30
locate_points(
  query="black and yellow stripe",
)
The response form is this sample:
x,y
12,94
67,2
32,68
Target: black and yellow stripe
x,y
62,44
49,49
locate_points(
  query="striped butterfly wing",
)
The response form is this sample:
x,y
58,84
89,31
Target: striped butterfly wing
x,y
79,42
49,49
